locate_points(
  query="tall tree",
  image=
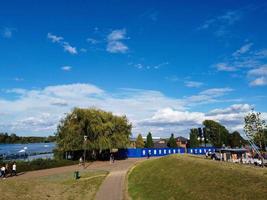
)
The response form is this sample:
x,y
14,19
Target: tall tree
x,y
149,141
255,127
172,142
235,139
193,141
139,143
103,131
216,133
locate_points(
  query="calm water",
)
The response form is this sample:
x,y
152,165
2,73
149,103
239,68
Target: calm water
x,y
30,149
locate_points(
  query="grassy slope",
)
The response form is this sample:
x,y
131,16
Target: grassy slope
x,y
189,177
61,186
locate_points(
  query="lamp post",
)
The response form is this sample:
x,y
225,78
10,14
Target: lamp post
x,y
84,153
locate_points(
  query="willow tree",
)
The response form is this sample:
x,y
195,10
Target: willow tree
x,y
103,131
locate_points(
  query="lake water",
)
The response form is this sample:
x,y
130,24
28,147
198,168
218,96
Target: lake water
x,y
34,150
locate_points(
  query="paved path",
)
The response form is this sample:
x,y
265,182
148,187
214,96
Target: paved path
x,y
113,186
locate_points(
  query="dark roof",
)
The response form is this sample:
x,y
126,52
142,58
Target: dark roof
x,y
183,139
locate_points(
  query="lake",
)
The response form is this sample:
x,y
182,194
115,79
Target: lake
x,y
34,150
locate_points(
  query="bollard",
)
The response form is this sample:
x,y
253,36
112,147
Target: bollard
x,y
76,175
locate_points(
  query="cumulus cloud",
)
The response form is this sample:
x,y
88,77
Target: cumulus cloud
x,y
38,111
114,41
244,49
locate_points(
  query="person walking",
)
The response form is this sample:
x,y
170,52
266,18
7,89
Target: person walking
x,y
14,169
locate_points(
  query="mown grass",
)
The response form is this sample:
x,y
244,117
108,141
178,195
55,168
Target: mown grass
x,y
59,187
190,177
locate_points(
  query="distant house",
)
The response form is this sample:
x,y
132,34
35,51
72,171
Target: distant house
x,y
160,143
181,141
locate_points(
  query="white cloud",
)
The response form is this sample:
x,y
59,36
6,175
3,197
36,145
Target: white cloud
x,y
60,40
220,24
236,108
148,67
66,68
38,111
261,71
193,84
116,47
114,41
92,41
244,49
119,34
260,76
216,91
54,38
7,32
261,81
67,47
225,67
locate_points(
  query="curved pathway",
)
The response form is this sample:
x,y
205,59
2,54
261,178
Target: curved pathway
x,y
113,186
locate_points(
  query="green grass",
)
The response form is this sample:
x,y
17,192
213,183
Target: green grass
x,y
60,187
190,177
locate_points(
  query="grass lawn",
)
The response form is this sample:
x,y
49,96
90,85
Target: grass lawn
x,y
60,186
190,177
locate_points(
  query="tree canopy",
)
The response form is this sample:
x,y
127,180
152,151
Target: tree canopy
x,y
139,143
193,141
102,129
256,128
149,141
216,133
172,142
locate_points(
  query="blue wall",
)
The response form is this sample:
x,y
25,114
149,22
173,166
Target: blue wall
x,y
155,152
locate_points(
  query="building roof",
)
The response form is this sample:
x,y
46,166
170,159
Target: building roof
x,y
183,139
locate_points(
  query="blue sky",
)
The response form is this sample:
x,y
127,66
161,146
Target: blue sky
x,y
166,65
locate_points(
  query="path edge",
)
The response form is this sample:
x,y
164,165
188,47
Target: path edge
x,y
126,195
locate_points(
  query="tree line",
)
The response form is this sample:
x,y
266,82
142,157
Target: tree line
x,y
140,143
217,135
12,138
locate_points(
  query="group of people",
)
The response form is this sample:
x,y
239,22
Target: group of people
x,y
8,169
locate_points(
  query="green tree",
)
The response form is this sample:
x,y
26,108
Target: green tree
x,y
216,133
193,141
149,141
235,139
172,142
255,128
104,131
139,143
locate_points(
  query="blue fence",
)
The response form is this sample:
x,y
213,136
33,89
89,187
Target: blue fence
x,y
155,152
201,150
143,152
